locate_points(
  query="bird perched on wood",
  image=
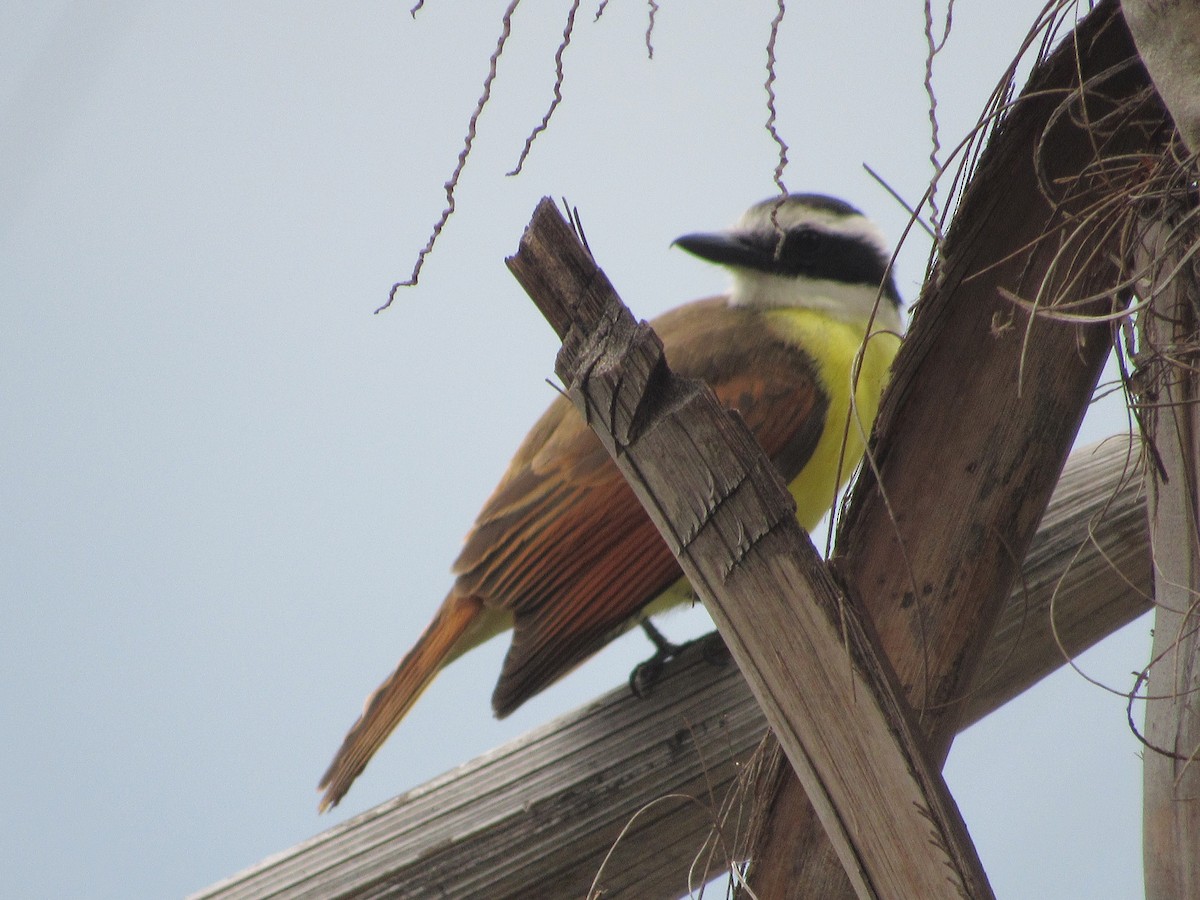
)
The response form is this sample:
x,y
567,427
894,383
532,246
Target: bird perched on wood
x,y
562,552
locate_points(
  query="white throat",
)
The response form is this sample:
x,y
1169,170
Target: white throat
x,y
854,303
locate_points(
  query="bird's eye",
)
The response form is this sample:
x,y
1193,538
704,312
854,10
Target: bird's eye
x,y
800,248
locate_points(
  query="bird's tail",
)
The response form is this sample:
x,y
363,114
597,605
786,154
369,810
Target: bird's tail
x,y
392,700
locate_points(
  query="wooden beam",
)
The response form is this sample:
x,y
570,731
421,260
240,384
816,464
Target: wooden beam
x,y
657,780
806,650
986,397
1170,393
1166,36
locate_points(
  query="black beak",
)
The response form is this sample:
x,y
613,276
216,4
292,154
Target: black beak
x,y
730,248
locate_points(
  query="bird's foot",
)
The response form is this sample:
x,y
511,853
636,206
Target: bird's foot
x,y
714,651
646,674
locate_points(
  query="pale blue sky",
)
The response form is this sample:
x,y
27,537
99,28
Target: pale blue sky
x,y
231,494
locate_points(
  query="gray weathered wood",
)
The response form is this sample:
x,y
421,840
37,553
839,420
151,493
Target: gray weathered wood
x,y
806,651
536,816
985,402
1168,39
495,826
1171,392
1087,574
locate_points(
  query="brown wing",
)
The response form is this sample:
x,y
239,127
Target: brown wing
x,y
563,542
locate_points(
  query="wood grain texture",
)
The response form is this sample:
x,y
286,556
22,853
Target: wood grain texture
x,y
1171,391
806,651
493,828
984,404
684,748
1168,40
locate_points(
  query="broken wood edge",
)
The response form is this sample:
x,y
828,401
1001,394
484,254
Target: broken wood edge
x,y
807,651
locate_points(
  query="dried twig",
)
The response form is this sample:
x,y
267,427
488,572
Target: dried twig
x,y
780,10
568,30
452,183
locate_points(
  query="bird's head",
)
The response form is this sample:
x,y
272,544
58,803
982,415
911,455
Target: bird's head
x,y
806,250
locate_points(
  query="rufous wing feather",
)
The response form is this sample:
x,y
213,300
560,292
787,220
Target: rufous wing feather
x,y
563,549
566,545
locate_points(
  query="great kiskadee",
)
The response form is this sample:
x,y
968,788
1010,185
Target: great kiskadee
x,y
563,554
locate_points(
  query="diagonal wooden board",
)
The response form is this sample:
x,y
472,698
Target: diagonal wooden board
x,y
806,651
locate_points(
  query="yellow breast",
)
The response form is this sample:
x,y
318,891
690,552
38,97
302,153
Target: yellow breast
x,y
834,346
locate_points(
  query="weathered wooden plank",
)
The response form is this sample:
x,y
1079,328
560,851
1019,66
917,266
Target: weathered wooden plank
x,y
690,739
986,398
806,650
1166,37
1170,394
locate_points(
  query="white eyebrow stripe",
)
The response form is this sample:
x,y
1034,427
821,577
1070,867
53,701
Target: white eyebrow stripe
x,y
856,227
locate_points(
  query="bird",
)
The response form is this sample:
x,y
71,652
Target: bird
x,y
563,555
